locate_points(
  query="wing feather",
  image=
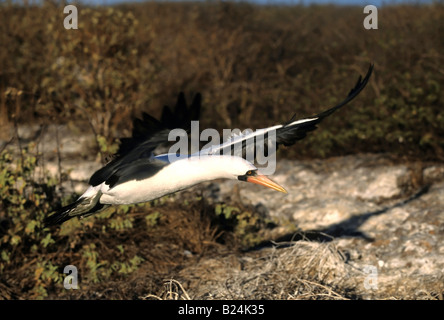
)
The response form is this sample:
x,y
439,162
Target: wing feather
x,y
285,134
148,133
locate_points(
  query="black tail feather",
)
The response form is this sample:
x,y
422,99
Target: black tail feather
x,y
62,215
82,207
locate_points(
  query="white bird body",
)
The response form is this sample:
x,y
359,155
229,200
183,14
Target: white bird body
x,y
193,170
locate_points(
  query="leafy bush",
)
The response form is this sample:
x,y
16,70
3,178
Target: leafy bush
x,y
34,255
24,204
243,223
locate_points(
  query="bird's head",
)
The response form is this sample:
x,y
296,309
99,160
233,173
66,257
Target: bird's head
x,y
253,176
243,170
229,167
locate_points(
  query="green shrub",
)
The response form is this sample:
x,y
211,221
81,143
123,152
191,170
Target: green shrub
x,y
37,254
24,205
243,223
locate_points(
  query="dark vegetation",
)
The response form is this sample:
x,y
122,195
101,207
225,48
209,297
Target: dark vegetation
x,y
255,66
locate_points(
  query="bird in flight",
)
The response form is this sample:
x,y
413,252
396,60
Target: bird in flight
x,y
137,174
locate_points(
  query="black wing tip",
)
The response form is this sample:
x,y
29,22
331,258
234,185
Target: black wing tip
x,y
361,83
196,106
368,75
300,130
183,113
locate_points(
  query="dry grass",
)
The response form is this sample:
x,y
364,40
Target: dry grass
x,y
304,270
173,291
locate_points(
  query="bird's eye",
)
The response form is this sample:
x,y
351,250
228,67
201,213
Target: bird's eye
x,y
249,173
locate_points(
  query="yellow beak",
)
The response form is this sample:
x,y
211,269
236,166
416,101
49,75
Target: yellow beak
x,y
264,181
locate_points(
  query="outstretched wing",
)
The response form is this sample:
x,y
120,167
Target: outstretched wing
x,y
292,131
284,134
180,117
148,133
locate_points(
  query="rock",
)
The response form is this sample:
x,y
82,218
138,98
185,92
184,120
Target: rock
x,y
317,214
331,193
372,213
433,173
